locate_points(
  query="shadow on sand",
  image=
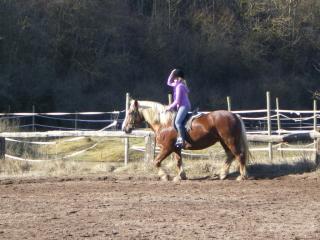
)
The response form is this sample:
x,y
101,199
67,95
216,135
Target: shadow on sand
x,y
274,170
270,170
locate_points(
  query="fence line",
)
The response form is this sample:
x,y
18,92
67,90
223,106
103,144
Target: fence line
x,y
258,123
250,121
274,121
58,113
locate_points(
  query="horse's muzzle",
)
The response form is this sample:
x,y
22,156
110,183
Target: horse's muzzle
x,y
127,130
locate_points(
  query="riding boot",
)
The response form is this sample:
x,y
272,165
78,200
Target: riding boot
x,y
180,143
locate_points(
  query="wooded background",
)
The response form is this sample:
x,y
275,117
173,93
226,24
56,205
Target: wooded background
x,y
84,55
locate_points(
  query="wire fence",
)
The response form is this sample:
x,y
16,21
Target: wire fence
x,y
84,121
256,121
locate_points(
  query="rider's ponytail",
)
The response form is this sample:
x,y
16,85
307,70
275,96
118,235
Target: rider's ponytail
x,y
185,82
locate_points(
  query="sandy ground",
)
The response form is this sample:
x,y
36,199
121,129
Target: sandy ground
x,y
107,207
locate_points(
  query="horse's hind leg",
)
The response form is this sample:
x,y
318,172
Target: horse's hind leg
x,y
227,163
181,175
240,157
243,169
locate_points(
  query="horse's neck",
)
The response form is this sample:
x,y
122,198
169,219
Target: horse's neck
x,y
151,119
156,119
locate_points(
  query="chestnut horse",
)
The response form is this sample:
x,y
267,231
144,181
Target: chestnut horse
x,y
218,126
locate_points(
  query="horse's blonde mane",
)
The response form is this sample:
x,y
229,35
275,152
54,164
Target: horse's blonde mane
x,y
154,112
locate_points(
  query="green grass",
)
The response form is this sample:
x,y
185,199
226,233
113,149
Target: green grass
x,y
100,149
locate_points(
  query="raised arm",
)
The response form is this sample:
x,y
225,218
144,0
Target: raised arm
x,y
170,81
177,99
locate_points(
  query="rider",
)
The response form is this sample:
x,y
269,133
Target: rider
x,y
181,103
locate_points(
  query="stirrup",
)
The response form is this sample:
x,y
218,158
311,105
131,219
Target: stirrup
x,y
179,142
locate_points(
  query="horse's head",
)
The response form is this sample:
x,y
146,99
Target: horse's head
x,y
150,112
133,117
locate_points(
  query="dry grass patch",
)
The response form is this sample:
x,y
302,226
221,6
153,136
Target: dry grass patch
x,y
106,155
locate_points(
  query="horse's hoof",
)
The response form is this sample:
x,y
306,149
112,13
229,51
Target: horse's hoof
x,y
241,178
215,176
180,177
183,176
223,176
177,179
165,178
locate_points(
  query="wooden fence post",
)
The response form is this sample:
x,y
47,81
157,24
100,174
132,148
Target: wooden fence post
x,y
169,98
318,152
149,153
316,141
278,116
75,120
279,124
33,118
2,148
315,115
269,124
229,103
126,140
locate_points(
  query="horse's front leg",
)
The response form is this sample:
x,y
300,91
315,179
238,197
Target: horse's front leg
x,y
181,173
157,162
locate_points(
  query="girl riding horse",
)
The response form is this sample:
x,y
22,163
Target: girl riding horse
x,y
218,126
181,103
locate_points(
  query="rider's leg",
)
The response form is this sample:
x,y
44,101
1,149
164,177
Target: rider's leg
x,y
181,115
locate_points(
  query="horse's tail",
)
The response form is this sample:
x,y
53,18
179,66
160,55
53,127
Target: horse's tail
x,y
244,141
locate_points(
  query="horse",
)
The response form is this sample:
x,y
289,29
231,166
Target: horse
x,y
217,126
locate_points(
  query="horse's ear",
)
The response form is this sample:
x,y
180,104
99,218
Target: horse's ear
x,y
136,104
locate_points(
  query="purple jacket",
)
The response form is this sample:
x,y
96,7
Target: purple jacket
x,y
180,95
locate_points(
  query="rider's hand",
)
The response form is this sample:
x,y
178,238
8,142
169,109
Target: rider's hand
x,y
173,71
167,109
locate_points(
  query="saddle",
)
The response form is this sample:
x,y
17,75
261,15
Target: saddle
x,y
187,122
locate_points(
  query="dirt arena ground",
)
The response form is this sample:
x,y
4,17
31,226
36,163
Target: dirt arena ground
x,y
106,207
